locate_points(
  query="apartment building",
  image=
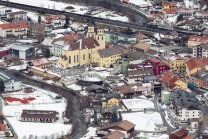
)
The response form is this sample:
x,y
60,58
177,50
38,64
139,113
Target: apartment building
x,y
196,40
201,50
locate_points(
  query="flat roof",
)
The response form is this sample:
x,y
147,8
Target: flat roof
x,y
20,47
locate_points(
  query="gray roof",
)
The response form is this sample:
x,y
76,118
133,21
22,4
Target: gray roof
x,y
6,77
173,33
20,47
109,51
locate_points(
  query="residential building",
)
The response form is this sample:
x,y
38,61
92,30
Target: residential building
x,y
196,40
97,90
142,38
191,25
152,53
78,28
110,100
107,57
195,123
18,29
56,21
194,65
158,66
124,127
141,47
200,79
176,63
40,30
19,15
114,135
157,19
4,10
11,83
135,76
189,113
4,52
201,50
179,134
113,37
41,63
137,56
42,116
22,51
169,5
169,12
201,15
171,35
59,43
160,128
172,81
165,96
186,12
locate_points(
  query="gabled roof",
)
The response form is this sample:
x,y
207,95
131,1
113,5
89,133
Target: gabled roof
x,y
125,124
114,135
180,132
165,3
172,33
198,38
41,62
195,62
141,37
152,52
116,50
14,25
204,45
18,12
154,60
142,46
170,11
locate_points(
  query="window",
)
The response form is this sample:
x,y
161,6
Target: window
x,y
98,38
74,58
102,38
89,55
77,58
83,56
69,59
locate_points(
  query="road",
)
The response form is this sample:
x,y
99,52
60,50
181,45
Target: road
x,y
155,101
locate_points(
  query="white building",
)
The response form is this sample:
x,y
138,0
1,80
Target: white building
x,y
20,15
18,29
189,113
201,51
11,83
22,51
78,27
55,20
4,11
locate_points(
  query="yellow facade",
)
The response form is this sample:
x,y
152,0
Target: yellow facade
x,y
72,58
180,84
105,61
169,6
111,102
178,65
191,44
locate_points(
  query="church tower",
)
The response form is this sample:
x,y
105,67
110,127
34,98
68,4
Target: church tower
x,y
100,37
91,31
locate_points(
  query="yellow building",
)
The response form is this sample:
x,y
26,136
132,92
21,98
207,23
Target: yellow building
x,y
194,65
81,52
107,57
168,5
196,40
110,100
177,63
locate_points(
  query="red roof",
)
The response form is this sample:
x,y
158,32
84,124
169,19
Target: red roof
x,y
197,38
154,60
71,37
14,25
141,37
187,137
195,62
165,3
170,11
154,16
2,127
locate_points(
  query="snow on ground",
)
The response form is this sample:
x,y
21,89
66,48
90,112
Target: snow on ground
x,y
158,36
143,122
52,58
154,136
28,41
139,2
19,67
75,87
137,104
172,19
61,30
61,6
91,132
30,128
167,119
190,4
83,93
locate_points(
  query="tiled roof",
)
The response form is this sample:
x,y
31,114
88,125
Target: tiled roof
x,y
114,135
141,37
154,60
152,52
180,132
165,3
197,38
170,11
56,17
41,62
204,46
154,16
142,46
116,50
195,62
166,77
126,125
187,137
14,25
18,12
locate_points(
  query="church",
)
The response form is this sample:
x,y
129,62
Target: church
x,y
81,52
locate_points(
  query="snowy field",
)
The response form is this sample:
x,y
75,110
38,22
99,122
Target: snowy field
x,y
36,129
61,6
137,104
139,2
91,132
143,122
75,87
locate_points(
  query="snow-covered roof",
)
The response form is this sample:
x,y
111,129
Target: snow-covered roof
x,y
20,47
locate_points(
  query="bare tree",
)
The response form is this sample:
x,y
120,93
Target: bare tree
x,y
24,137
30,136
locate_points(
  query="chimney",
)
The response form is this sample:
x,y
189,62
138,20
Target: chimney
x,y
80,44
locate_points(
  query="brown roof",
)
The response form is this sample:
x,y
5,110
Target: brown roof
x,y
152,52
136,54
170,11
125,89
116,50
192,22
141,37
187,137
25,110
114,135
142,46
37,27
48,116
204,46
180,132
89,43
18,12
165,3
63,57
125,124
10,57
41,62
195,62
195,120
144,70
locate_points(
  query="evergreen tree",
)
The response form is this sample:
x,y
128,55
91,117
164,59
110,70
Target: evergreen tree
x,y
67,22
95,118
47,53
120,116
39,19
114,117
2,86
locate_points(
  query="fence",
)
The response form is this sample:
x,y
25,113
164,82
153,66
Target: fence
x,y
35,103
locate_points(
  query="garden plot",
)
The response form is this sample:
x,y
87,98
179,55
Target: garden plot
x,y
137,104
143,122
39,96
